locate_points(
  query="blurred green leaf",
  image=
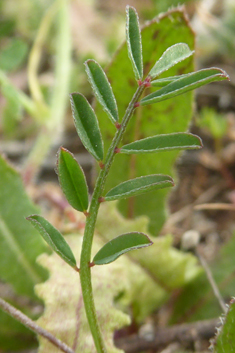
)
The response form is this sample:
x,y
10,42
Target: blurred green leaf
x,y
54,238
163,118
133,38
102,88
13,55
214,122
72,180
180,140
13,110
139,186
203,305
20,245
172,56
185,84
121,245
87,126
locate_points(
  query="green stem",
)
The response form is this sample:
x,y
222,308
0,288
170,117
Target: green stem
x,y
85,271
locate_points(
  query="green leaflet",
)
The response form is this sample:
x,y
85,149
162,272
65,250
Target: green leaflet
x,y
120,245
172,56
133,38
139,186
180,140
87,126
224,341
72,180
185,84
54,238
102,88
161,82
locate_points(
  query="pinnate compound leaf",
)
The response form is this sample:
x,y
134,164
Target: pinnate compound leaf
x,y
72,181
139,186
185,84
86,124
53,238
224,341
120,245
133,38
172,56
180,140
169,116
102,88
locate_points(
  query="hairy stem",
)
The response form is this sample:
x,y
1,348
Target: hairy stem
x,y
26,321
85,271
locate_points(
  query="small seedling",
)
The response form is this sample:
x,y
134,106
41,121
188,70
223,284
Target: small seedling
x,y
71,176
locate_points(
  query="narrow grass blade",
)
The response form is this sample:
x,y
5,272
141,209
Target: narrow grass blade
x,y
72,180
185,84
139,186
86,124
102,88
172,56
120,245
180,140
133,38
53,238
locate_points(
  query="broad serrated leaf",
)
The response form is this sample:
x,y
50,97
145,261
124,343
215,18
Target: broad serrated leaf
x,y
224,341
185,84
102,88
121,245
72,180
64,314
53,238
166,117
86,124
180,140
139,186
172,56
133,38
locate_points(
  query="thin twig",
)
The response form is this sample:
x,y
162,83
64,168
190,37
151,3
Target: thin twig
x,y
211,281
26,321
215,206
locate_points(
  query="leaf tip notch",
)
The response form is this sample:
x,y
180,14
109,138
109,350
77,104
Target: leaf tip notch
x,y
134,43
